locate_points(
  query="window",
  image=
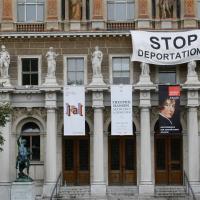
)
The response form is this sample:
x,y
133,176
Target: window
x,y
167,75
29,71
31,133
75,70
121,70
30,10
198,9
120,10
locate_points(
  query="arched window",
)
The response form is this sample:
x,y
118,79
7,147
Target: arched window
x,y
31,133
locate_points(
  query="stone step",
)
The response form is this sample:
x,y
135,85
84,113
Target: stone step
x,y
170,191
74,192
122,190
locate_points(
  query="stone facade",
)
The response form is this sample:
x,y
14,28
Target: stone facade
x,y
42,104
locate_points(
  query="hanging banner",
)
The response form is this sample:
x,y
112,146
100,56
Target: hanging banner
x,y
166,48
121,110
169,115
74,110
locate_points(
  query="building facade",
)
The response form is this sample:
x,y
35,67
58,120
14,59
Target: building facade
x,y
74,28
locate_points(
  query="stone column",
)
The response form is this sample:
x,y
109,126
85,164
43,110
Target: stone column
x,y
51,141
193,140
5,172
146,184
98,185
189,14
97,14
7,16
143,14
52,15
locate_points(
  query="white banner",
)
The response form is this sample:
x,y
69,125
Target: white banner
x,y
166,48
74,110
121,110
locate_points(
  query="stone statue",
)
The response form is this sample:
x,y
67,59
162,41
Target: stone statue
x,y
166,8
191,68
4,62
23,160
144,69
76,9
97,57
51,59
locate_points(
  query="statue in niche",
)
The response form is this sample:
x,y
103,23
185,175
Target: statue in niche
x,y
75,9
166,8
51,60
97,57
191,68
144,69
23,160
4,62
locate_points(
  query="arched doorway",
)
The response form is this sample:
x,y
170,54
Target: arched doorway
x,y
122,159
168,158
76,159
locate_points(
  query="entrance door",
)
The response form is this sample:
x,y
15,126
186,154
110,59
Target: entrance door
x,y
122,160
76,162
168,160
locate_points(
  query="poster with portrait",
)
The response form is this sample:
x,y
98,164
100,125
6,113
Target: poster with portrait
x,y
121,110
74,110
169,109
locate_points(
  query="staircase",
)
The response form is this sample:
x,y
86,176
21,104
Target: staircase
x,y
171,193
122,192
74,192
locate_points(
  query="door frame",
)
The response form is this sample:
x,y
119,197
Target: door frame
x,y
171,174
123,173
76,171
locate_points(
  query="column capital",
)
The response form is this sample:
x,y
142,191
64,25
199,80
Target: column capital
x,y
192,98
97,100
51,100
145,98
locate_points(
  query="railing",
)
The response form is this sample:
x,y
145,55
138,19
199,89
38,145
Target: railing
x,y
30,27
56,189
188,187
120,25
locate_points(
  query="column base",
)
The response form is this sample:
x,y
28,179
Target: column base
x,y
52,26
98,189
7,26
146,188
190,23
142,23
75,25
47,189
23,191
5,189
98,25
195,186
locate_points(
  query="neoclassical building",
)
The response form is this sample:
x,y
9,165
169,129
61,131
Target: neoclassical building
x,y
141,162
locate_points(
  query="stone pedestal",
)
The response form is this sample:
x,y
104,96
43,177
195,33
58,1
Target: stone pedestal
x,y
23,191
5,82
50,81
144,80
192,80
97,80
75,25
166,24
